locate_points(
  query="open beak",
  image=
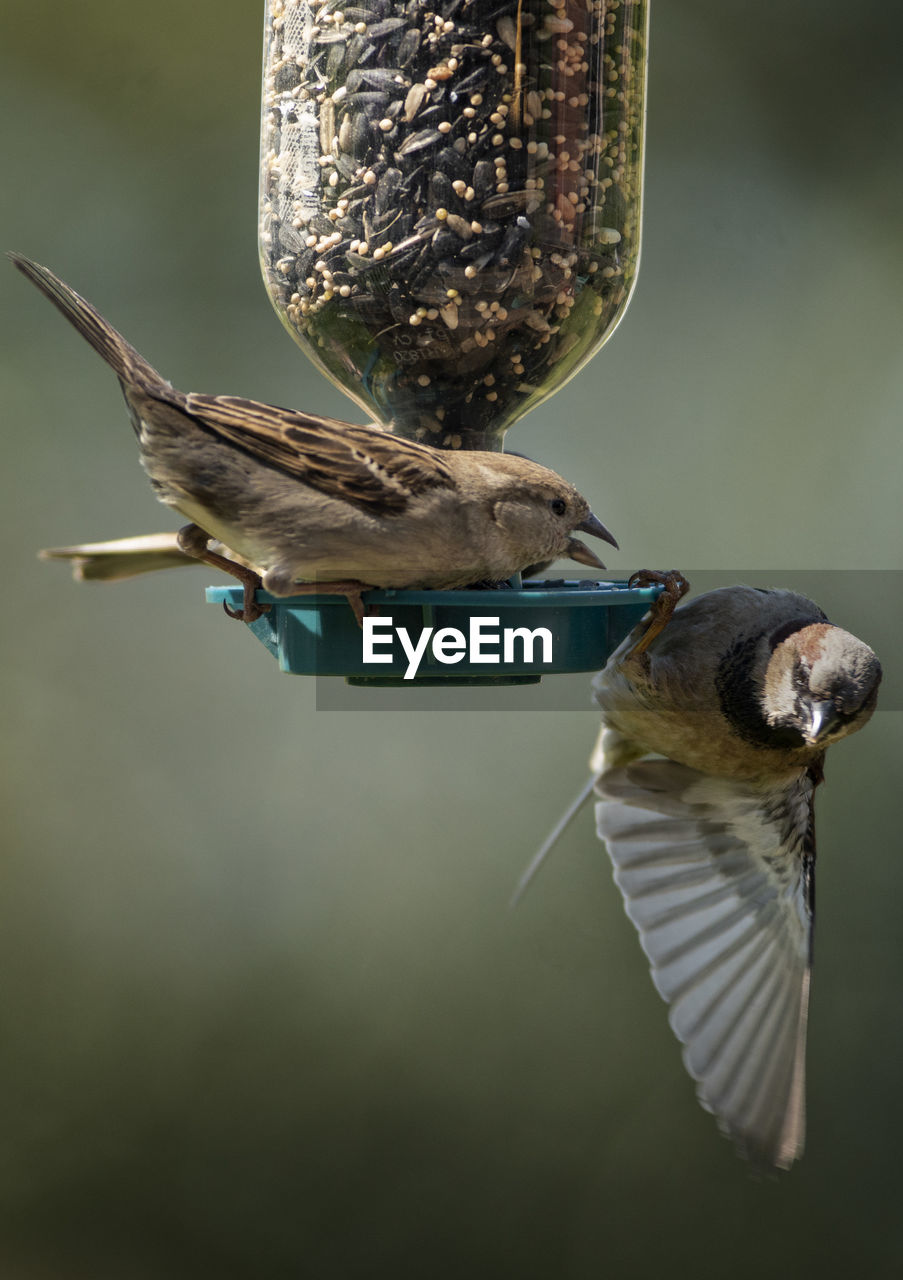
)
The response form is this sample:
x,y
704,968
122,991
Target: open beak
x,y
822,721
577,550
580,552
597,528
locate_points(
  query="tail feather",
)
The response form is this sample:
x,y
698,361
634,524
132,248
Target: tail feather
x,y
131,367
128,557
122,558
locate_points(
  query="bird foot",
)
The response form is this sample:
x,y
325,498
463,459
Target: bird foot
x,y
350,588
193,541
250,610
675,588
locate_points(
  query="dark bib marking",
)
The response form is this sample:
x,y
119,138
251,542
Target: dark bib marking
x,y
739,697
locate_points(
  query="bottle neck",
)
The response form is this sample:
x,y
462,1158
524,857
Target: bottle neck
x,y
485,441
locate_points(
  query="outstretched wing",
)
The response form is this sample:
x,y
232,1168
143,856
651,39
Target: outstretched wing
x,y
718,878
371,469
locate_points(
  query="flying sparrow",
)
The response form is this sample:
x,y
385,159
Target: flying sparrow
x,y
712,745
319,505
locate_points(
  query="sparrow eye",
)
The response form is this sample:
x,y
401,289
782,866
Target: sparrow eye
x,y
559,506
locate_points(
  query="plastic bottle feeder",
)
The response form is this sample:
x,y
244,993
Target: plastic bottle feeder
x,y
449,226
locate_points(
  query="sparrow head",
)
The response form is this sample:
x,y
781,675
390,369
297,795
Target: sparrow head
x,y
538,513
821,682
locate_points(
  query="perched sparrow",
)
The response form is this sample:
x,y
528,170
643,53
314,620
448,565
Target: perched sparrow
x,y
318,501
712,744
122,558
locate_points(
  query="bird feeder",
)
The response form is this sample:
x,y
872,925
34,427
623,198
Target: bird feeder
x,y
545,628
450,198
450,202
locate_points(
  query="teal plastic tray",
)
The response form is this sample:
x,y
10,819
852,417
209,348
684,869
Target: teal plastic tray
x,y
318,635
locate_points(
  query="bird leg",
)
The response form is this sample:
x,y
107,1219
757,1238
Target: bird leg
x,y
350,588
193,541
675,588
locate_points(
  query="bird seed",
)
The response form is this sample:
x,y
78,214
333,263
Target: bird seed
x,y
425,160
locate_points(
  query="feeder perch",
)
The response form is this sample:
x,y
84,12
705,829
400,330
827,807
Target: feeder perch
x,y
449,226
318,635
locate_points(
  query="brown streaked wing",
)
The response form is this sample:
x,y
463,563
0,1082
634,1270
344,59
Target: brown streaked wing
x,y
373,470
718,877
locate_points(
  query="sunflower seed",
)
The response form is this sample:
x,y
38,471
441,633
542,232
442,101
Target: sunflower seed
x,y
335,60
413,102
407,49
417,141
471,83
369,100
382,77
506,203
507,29
360,135
387,190
346,167
483,179
359,51
384,28
445,243
434,117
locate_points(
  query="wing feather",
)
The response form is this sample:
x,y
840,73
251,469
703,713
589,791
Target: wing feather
x,y
715,876
371,469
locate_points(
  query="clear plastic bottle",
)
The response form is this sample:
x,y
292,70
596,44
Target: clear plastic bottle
x,y
451,198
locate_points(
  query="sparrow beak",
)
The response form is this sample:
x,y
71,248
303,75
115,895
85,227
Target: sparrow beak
x,y
597,528
822,720
580,552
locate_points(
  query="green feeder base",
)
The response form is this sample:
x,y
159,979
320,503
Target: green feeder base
x,y
475,637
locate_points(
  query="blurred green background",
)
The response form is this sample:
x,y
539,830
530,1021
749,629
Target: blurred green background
x,y
263,1010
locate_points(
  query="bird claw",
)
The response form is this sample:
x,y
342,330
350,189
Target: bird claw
x,y
675,587
357,606
354,595
249,612
193,541
350,588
